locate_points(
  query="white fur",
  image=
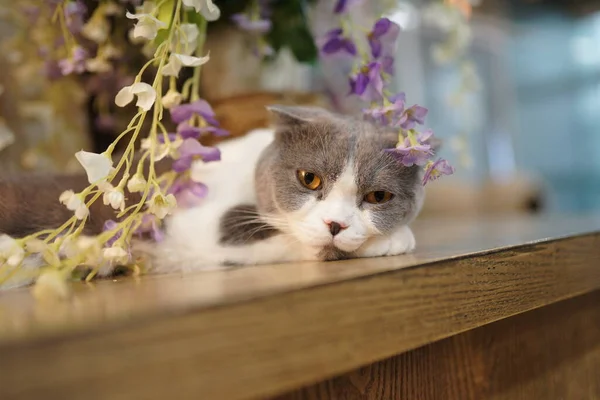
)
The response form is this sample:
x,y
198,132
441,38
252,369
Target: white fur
x,y
192,238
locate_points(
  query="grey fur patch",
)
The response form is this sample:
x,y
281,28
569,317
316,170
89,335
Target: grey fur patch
x,y
241,225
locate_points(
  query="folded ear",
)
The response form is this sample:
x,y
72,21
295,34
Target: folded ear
x,y
298,115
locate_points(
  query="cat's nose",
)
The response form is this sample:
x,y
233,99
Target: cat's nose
x,y
335,227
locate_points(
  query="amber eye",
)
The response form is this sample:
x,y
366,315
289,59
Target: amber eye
x,y
309,180
378,197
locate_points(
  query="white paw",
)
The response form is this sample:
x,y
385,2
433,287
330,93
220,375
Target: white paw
x,y
399,242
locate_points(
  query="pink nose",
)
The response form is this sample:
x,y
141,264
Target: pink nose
x,y
335,227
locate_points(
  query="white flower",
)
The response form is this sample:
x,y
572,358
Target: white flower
x,y
137,183
112,9
74,203
51,285
171,99
176,61
96,29
148,25
97,64
185,39
161,205
146,95
162,150
204,7
116,255
10,251
97,166
114,197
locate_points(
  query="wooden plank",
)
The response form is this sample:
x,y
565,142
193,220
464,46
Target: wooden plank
x,y
551,353
274,344
107,304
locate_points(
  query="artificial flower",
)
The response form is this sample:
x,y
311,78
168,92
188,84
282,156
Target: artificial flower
x,y
246,23
341,6
75,64
392,108
115,255
75,203
148,25
190,149
161,205
10,251
417,154
171,99
185,39
187,131
137,183
51,285
150,224
97,29
162,149
96,166
368,83
110,226
146,95
434,170
412,116
74,12
383,38
199,107
335,41
204,7
188,192
176,61
114,197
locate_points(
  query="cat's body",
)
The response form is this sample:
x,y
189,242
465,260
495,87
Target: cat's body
x,y
265,205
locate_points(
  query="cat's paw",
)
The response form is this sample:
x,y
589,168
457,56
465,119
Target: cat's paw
x,y
399,242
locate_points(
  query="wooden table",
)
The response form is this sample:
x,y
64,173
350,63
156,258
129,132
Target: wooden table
x,y
506,308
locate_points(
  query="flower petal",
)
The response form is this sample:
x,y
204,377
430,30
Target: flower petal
x,y
145,93
124,97
209,10
97,166
191,61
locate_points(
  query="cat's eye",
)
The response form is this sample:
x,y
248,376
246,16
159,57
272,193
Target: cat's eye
x,y
309,180
378,197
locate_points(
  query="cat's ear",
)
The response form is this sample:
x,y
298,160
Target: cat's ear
x,y
297,115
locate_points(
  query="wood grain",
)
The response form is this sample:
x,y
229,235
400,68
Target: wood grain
x,y
550,353
276,343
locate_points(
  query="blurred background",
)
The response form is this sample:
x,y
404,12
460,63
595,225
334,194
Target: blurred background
x,y
515,94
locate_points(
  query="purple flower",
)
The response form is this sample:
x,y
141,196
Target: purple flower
x,y
418,154
335,41
191,148
187,131
368,83
52,70
260,26
76,64
383,38
150,224
393,107
434,170
111,225
341,6
74,13
200,107
412,116
188,193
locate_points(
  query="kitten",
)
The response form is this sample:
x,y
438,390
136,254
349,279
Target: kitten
x,y
317,187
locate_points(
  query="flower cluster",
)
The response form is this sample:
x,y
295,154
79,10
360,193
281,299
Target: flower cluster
x,y
254,20
175,43
373,70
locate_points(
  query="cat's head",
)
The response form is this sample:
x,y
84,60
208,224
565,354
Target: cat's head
x,y
327,180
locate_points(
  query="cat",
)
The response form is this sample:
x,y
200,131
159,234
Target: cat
x,y
317,186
